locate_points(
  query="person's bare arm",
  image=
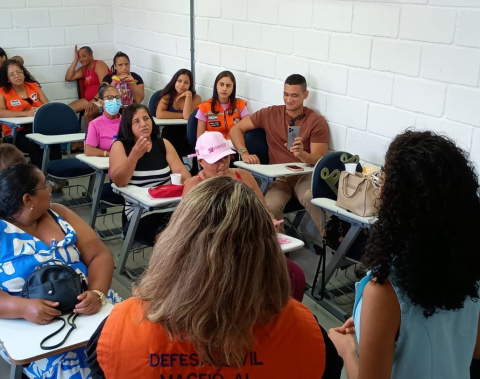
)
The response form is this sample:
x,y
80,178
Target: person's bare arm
x,y
190,104
380,322
317,150
162,109
138,92
73,74
201,127
189,184
92,151
174,161
476,352
37,311
96,256
4,112
121,166
42,96
238,139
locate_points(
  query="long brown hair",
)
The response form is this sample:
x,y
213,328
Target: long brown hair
x,y
216,272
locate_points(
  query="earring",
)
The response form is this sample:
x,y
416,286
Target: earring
x,y
31,208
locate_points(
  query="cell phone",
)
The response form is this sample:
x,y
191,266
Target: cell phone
x,y
294,168
293,132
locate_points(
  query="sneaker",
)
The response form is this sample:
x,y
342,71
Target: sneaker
x,y
57,186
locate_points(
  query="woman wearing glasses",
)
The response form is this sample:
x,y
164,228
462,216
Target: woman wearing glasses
x,y
416,313
35,232
102,131
21,96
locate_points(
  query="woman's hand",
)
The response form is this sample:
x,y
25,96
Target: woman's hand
x,y
40,311
127,78
142,146
185,94
344,342
31,112
347,328
89,303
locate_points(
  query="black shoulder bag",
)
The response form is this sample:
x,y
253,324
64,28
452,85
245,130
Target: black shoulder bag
x,y
56,282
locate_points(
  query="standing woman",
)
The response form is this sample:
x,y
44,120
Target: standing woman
x,y
21,96
223,110
416,313
140,157
92,71
178,100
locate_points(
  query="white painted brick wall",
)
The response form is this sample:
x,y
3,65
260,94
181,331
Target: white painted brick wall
x,y
351,51
373,86
428,24
333,15
376,19
449,64
373,67
399,57
419,96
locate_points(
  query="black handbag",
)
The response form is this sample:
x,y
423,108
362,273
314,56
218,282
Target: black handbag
x,y
57,282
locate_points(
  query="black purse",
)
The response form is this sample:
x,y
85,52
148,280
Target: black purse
x,y
57,282
60,283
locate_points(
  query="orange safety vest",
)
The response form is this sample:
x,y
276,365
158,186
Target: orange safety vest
x,y
15,103
290,346
222,121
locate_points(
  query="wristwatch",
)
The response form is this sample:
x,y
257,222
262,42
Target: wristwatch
x,y
241,151
101,296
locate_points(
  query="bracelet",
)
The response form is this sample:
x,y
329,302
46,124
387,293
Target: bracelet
x,y
105,153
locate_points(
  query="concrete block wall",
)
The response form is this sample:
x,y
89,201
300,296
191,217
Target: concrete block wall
x,y
44,33
374,68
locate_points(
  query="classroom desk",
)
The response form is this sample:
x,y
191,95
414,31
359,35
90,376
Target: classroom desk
x,y
21,338
269,172
169,121
357,224
100,165
293,244
143,202
46,140
16,122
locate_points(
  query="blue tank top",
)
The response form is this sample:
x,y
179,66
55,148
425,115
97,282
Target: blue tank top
x,y
438,347
170,107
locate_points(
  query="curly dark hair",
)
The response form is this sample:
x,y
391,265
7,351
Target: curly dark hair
x,y
4,74
427,222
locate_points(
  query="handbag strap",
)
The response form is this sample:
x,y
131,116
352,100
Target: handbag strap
x,y
345,187
71,321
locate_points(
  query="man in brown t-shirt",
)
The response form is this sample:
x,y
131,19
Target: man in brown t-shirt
x,y
308,148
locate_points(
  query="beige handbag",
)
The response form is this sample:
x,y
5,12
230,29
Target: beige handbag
x,y
357,194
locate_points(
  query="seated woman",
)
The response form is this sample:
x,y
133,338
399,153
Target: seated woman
x,y
104,129
214,301
178,100
21,96
129,84
140,157
223,110
416,313
92,71
35,232
213,154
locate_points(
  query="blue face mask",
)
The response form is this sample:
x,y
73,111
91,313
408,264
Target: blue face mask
x,y
112,106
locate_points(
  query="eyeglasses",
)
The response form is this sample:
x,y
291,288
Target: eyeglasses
x,y
110,97
377,179
48,185
15,73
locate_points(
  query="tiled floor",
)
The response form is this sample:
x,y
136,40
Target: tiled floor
x,y
304,257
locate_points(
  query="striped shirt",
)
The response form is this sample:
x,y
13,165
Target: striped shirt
x,y
152,170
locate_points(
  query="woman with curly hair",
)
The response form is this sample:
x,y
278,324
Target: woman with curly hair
x,y
416,313
214,301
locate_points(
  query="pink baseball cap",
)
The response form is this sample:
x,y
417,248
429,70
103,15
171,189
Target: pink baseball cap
x,y
212,146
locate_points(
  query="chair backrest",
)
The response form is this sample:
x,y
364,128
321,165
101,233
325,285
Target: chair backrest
x,y
81,88
192,125
153,102
327,173
256,143
54,119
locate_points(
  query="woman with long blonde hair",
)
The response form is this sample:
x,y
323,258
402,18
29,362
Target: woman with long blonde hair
x,y
213,301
